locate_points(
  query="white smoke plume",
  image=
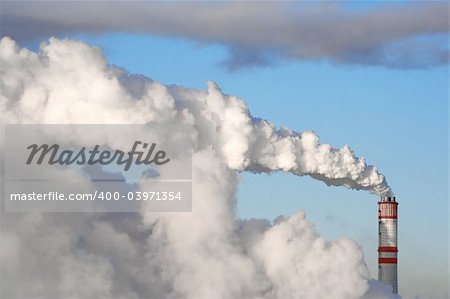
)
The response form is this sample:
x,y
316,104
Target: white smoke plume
x,y
256,145
207,253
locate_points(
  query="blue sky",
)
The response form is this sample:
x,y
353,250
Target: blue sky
x,y
397,119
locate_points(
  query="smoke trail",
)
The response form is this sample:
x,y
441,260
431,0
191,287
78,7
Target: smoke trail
x,y
256,145
204,254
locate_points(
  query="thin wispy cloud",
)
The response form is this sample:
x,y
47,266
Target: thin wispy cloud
x,y
409,35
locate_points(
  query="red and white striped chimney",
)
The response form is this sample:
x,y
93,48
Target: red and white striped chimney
x,y
387,241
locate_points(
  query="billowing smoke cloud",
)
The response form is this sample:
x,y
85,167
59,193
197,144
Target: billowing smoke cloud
x,y
407,35
203,254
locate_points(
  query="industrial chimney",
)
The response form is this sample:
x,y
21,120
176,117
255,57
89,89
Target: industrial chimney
x,y
387,241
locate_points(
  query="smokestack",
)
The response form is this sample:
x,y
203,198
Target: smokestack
x,y
387,241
